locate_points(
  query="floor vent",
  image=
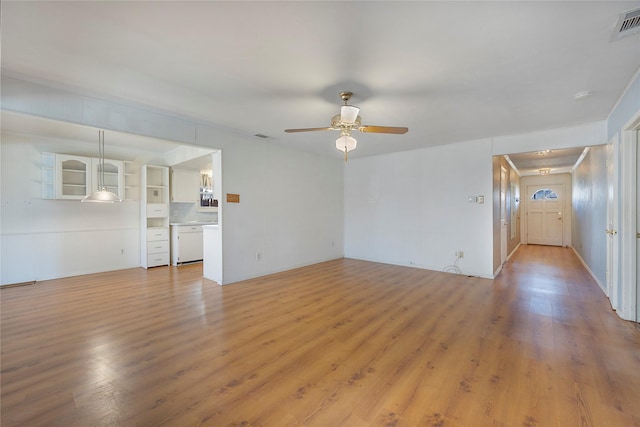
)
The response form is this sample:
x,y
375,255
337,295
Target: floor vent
x,y
628,24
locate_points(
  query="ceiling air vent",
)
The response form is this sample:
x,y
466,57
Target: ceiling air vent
x,y
628,24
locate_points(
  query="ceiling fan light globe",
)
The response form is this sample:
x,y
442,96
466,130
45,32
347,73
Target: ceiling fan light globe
x,y
349,114
346,143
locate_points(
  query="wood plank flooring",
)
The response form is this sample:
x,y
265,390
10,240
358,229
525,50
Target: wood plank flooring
x,y
341,343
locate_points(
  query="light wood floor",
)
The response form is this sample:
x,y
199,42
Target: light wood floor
x,y
342,343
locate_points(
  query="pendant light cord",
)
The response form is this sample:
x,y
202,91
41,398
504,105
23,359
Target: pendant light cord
x,y
101,185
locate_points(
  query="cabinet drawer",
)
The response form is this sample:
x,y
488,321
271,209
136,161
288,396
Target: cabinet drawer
x,y
157,210
158,247
189,229
154,260
157,234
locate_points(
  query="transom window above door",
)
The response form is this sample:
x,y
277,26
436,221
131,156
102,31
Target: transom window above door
x,y
544,194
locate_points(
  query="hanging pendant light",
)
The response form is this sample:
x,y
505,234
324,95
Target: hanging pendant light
x,y
102,195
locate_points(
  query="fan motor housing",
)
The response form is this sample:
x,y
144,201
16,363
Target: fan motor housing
x,y
337,123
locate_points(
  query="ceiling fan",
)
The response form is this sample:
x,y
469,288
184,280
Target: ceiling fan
x,y
349,120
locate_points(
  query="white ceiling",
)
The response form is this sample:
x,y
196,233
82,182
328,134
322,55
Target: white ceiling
x,y
558,161
450,71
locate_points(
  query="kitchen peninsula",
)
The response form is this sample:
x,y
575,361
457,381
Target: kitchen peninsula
x,y
212,256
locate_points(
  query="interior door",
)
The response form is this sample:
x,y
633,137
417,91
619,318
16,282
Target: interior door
x,y
612,291
503,215
637,143
545,223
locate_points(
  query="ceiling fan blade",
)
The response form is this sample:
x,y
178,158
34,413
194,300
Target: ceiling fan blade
x,y
306,130
383,129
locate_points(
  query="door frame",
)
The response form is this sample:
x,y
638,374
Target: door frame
x,y
626,299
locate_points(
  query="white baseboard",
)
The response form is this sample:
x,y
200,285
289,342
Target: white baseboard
x,y
603,287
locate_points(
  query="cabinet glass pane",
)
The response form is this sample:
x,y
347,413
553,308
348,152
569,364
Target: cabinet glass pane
x,y
72,177
74,190
48,175
74,165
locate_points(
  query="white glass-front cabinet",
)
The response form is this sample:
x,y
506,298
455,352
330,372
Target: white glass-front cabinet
x,y
73,176
154,216
113,176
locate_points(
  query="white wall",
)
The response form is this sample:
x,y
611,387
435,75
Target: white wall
x,y
411,208
588,134
590,212
626,108
621,125
290,209
290,206
45,239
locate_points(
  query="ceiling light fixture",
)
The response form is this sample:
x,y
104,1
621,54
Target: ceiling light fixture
x,y
348,120
581,95
346,143
102,195
349,114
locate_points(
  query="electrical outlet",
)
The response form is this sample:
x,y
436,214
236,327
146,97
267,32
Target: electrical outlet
x,y
258,256
460,254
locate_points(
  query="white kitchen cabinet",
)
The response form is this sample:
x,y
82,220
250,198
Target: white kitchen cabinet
x,y
186,243
73,177
130,181
113,176
185,186
154,216
48,176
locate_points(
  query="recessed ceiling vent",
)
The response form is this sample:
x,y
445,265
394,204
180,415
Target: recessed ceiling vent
x,y
628,24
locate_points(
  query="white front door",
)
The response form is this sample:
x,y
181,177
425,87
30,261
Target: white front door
x,y
545,214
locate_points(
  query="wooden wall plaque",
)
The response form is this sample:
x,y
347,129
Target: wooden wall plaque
x,y
233,198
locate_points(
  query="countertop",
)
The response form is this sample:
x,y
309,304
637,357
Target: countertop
x,y
193,223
